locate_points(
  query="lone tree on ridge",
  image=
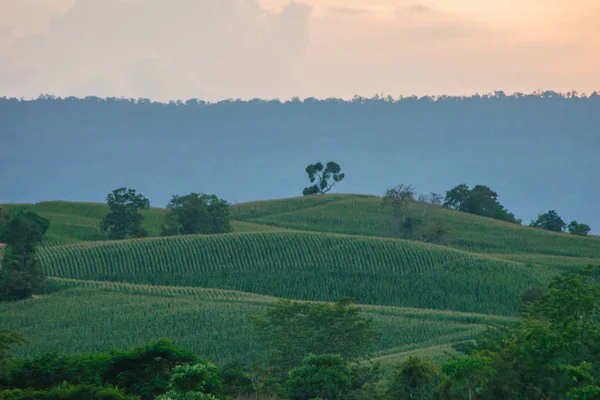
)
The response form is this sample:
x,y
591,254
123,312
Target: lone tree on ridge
x,y
321,174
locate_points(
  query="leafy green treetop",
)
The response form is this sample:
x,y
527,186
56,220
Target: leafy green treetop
x,y
124,219
196,214
549,221
553,351
316,172
481,200
575,228
193,382
469,374
323,376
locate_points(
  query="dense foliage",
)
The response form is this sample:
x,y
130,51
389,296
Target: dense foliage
x,y
579,229
143,371
124,219
196,214
21,274
549,221
552,354
481,200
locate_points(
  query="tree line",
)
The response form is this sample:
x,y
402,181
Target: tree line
x,y
199,213
323,351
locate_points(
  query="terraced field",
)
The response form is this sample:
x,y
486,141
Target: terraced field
x,y
307,266
198,290
91,316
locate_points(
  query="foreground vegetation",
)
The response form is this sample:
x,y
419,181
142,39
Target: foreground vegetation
x,y
314,352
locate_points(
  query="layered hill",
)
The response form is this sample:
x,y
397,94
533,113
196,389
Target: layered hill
x,y
198,289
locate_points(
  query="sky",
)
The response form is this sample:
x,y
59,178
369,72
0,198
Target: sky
x,y
219,49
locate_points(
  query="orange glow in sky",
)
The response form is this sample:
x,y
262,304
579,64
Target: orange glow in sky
x,y
217,49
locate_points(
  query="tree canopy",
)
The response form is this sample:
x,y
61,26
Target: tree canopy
x,y
317,172
549,221
481,200
124,219
196,214
554,351
579,229
21,274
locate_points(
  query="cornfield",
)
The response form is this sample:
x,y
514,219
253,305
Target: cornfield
x,y
305,266
95,316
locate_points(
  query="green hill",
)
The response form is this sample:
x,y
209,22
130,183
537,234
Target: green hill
x,y
75,222
365,215
198,289
307,266
345,214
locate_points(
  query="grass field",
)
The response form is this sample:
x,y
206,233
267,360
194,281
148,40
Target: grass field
x,y
198,290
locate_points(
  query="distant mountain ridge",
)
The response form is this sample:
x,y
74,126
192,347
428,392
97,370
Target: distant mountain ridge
x,y
538,151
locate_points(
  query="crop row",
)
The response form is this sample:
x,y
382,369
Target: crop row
x,y
305,266
82,319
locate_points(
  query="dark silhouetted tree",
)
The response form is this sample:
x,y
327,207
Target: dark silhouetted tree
x,y
21,274
575,228
124,219
481,200
549,221
196,214
316,172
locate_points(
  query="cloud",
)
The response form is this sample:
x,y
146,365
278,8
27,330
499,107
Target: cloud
x,y
153,48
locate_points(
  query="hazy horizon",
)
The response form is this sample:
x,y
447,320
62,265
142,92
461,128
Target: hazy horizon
x,y
245,49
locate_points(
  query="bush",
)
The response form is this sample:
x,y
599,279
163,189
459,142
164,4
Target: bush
x,y
323,376
67,392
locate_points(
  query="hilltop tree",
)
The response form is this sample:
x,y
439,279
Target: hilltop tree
x,y
21,275
316,172
124,219
409,221
575,228
481,200
549,221
196,213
